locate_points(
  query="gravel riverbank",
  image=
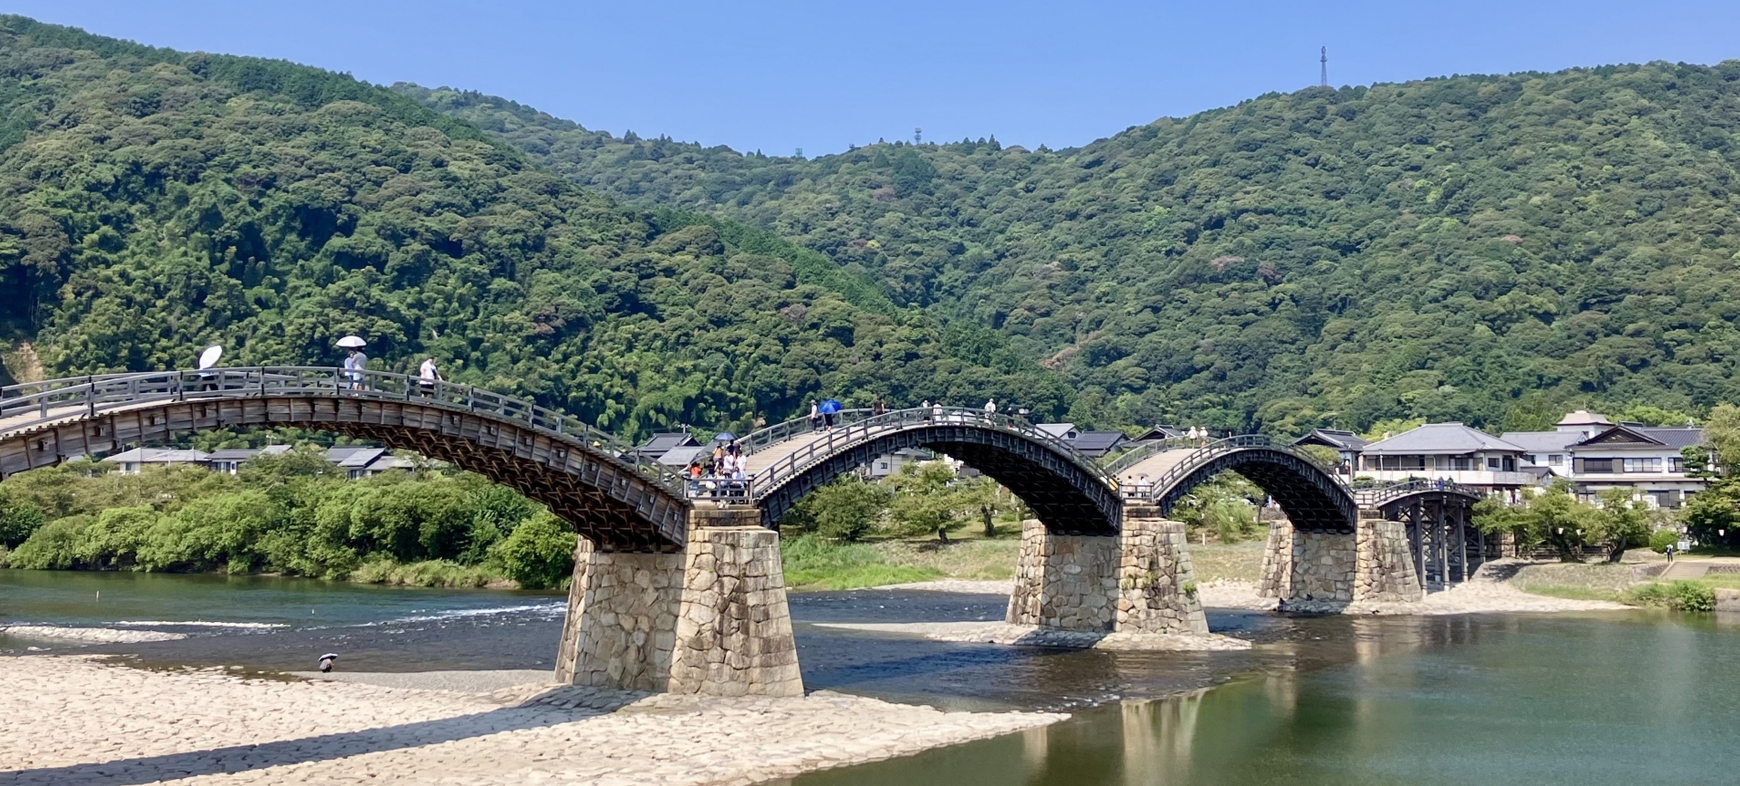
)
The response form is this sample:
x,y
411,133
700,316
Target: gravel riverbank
x,y
91,723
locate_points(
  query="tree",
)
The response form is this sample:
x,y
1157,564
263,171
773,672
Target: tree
x,y
539,554
1555,517
925,499
1619,522
847,508
1712,516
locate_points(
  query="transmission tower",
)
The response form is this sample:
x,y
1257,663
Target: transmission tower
x,y
1323,79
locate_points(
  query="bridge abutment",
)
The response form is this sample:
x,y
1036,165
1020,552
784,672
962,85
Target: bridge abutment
x,y
1140,581
711,619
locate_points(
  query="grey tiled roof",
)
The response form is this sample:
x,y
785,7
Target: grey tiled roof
x,y
1448,439
1542,441
1342,440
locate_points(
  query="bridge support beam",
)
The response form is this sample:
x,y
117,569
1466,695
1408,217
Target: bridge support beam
x,y
1132,583
710,620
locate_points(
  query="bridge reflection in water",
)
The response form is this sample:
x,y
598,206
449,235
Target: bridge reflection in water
x,y
676,593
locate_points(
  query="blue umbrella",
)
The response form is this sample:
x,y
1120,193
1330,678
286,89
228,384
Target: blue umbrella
x,y
829,407
724,436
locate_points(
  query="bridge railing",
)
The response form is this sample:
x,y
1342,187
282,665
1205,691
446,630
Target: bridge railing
x,y
35,403
1144,451
1149,489
1383,495
843,436
780,432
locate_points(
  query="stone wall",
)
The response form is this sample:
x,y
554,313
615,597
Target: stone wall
x,y
710,620
1323,566
1156,585
1276,580
733,634
1068,582
1385,570
622,618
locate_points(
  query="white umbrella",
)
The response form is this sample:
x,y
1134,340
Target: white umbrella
x,y
210,356
352,342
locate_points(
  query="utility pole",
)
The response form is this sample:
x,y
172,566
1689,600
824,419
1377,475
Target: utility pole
x,y
1323,78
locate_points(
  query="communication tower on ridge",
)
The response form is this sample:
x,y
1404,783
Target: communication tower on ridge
x,y
1323,78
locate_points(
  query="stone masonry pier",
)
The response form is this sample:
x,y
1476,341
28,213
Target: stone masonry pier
x,y
1139,581
710,620
1373,564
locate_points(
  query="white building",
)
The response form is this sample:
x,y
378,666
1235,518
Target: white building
x,y
1446,451
131,461
1596,454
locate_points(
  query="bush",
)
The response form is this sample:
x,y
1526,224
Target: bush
x,y
539,554
1680,596
1660,539
54,546
1691,596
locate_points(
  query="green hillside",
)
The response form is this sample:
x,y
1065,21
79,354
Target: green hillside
x,y
153,201
1488,249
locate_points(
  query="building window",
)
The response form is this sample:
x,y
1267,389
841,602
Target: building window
x,y
1595,465
1556,460
1642,465
1677,465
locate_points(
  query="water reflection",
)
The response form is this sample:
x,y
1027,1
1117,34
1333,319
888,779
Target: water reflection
x,y
1593,700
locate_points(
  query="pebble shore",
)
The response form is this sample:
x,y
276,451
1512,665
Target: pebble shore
x,y
76,720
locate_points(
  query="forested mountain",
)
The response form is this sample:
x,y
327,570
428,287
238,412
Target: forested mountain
x,y
1489,249
153,201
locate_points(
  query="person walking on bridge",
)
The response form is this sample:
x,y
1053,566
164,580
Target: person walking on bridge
x,y
879,408
354,365
990,406
815,415
427,376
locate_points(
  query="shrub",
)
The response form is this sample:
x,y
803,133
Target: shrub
x,y
1660,539
539,554
53,546
1691,596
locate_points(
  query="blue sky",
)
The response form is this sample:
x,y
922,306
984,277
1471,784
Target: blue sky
x,y
783,75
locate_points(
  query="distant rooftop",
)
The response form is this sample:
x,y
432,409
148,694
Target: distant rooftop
x,y
1583,417
1440,439
1340,440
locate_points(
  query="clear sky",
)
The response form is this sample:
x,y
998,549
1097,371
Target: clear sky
x,y
776,76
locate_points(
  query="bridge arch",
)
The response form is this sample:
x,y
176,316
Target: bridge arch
x,y
1067,491
578,472
1165,473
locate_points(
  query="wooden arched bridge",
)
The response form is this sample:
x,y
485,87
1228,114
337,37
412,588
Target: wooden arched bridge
x,y
677,583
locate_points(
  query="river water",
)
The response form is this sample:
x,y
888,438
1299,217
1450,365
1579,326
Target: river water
x,y
1584,699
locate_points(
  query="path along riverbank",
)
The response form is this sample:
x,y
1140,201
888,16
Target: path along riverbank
x,y
75,720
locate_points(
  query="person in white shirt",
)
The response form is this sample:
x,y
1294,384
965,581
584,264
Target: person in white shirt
x,y
990,406
428,375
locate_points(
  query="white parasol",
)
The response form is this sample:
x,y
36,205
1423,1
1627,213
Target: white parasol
x,y
352,342
209,357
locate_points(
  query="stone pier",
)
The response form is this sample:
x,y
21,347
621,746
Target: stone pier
x,y
1276,580
1156,584
1385,571
1323,567
711,619
1372,565
1137,582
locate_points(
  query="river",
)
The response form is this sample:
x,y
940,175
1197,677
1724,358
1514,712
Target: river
x,y
1585,699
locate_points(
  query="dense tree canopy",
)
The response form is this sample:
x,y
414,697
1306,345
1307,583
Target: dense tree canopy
x,y
152,202
1489,249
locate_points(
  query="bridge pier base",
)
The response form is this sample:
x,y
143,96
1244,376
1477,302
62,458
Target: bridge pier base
x,y
1132,583
1372,565
1385,566
710,620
